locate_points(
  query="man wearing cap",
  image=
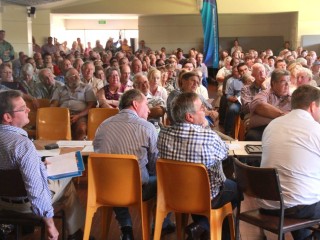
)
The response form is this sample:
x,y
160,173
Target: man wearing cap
x,y
6,49
315,72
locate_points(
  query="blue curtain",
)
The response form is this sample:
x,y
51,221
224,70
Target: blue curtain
x,y
209,15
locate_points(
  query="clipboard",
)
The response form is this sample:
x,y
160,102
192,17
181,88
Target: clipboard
x,y
253,149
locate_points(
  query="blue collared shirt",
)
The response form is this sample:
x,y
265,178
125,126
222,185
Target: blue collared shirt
x,y
193,143
127,133
18,152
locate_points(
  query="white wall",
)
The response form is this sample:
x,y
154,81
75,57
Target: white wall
x,y
172,31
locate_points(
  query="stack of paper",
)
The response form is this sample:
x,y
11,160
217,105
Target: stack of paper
x,y
65,165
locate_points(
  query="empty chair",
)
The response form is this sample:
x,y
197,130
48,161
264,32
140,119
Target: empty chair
x,y
14,187
53,123
263,183
96,116
184,188
114,181
31,126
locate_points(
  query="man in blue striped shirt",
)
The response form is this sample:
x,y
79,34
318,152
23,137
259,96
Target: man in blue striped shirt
x,y
187,140
129,132
18,152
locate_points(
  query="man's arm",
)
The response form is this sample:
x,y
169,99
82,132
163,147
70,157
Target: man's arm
x,y
267,110
83,113
52,231
245,99
54,103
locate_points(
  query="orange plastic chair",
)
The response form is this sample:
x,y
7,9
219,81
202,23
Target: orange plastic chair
x,y
184,188
96,116
114,181
31,126
53,123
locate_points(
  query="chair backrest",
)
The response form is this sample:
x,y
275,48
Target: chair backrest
x,y
258,182
96,116
33,112
53,123
183,187
12,184
114,180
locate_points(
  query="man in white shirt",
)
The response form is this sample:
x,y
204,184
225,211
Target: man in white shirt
x,y
291,144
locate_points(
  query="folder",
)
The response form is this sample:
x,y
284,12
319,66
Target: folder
x,y
65,166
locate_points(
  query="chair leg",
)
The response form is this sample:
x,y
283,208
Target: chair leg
x,y
87,227
160,215
216,220
231,226
43,232
106,214
146,218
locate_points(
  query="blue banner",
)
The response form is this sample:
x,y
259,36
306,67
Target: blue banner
x,y
209,15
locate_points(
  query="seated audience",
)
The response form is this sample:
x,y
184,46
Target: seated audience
x,y
269,104
18,152
27,81
87,71
79,98
47,85
109,96
233,93
125,82
188,82
156,104
156,89
129,132
179,142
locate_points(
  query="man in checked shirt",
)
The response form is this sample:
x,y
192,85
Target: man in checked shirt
x,y
197,144
18,152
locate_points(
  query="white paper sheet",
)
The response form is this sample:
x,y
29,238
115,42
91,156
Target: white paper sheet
x,y
87,149
74,143
234,146
64,163
49,153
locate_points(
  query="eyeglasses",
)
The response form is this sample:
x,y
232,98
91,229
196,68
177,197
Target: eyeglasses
x,y
23,109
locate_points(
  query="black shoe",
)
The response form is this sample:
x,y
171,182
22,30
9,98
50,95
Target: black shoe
x,y
78,235
127,233
195,231
170,228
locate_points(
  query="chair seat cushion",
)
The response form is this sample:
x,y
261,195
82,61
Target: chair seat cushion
x,y
271,222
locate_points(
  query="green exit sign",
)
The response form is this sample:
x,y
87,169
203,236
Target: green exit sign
x,y
102,21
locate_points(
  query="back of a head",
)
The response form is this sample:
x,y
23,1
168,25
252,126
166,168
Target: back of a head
x,y
303,96
128,97
183,104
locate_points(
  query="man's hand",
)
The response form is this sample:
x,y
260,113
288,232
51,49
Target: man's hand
x,y
74,118
233,99
213,114
52,231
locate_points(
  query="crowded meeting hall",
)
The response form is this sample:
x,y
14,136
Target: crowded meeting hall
x,y
154,120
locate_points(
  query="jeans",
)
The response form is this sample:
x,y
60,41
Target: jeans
x,y
148,191
232,111
255,134
301,211
229,193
